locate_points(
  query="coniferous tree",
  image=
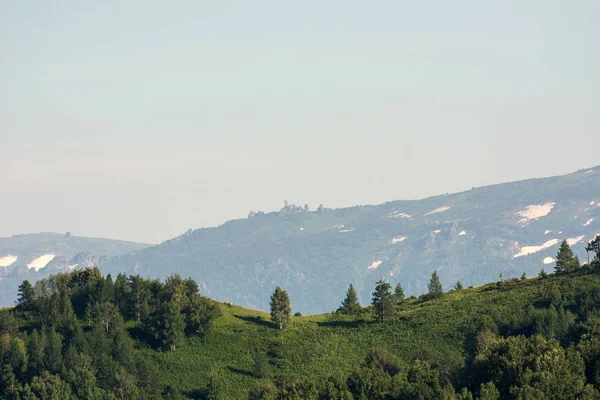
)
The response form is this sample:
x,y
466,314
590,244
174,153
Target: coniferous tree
x,y
565,260
26,297
458,286
434,287
350,305
382,299
280,307
139,296
398,294
35,350
121,290
53,351
594,247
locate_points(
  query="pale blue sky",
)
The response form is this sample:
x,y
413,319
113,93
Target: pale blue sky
x,y
139,119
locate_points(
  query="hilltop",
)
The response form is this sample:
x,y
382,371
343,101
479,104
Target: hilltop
x,y
517,337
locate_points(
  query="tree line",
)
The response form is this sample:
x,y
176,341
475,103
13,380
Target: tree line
x,y
72,335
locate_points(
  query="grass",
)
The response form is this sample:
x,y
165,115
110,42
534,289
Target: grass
x,y
328,344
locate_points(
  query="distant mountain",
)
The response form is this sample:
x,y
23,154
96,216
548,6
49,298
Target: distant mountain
x,y
37,255
471,236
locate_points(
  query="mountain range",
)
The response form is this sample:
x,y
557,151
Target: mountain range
x,y
471,236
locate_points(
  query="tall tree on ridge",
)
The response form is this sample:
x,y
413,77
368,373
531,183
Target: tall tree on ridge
x,y
350,305
565,260
434,287
280,307
382,299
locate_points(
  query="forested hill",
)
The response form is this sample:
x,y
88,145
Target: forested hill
x,y
84,336
471,236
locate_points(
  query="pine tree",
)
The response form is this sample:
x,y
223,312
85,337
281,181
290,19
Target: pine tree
x,y
280,307
565,261
382,299
458,286
350,305
398,294
26,297
434,287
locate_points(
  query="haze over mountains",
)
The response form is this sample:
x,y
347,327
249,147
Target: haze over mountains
x,y
471,236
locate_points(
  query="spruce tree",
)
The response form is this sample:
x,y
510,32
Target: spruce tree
x,y
398,294
458,286
280,308
565,260
350,305
434,287
382,299
26,299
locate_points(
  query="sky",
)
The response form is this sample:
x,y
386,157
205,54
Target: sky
x,y
137,120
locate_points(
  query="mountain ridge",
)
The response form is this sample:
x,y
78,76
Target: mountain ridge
x,y
472,236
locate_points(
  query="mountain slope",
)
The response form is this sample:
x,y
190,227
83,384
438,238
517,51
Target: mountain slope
x,y
34,256
471,236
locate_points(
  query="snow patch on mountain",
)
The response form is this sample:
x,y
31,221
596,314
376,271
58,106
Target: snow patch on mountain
x,y
549,260
535,211
375,264
575,240
462,233
7,260
547,232
588,222
396,214
527,250
398,239
438,210
41,262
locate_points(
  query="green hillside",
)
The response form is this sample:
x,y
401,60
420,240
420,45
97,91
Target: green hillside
x,y
80,335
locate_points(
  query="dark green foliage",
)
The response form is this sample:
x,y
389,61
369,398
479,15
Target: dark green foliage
x,y
280,308
434,288
382,300
45,353
543,274
523,276
594,247
25,301
530,339
565,260
350,305
458,286
261,363
398,294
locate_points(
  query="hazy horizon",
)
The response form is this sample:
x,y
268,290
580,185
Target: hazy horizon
x,y
138,121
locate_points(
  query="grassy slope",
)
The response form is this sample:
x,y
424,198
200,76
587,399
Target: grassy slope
x,y
320,345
